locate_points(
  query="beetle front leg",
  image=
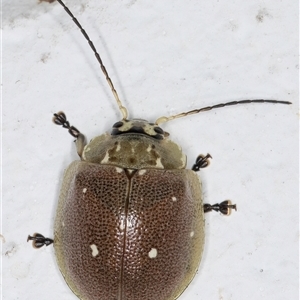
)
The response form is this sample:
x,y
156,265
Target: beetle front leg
x,y
61,119
224,207
201,162
38,240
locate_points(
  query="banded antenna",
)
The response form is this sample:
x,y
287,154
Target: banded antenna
x,y
206,108
163,119
122,108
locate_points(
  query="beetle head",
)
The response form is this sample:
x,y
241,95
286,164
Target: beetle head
x,y
139,126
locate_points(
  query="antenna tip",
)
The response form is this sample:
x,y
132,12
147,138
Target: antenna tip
x,y
280,102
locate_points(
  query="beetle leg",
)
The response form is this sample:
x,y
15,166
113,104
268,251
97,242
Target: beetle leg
x,y
61,119
224,207
201,162
38,240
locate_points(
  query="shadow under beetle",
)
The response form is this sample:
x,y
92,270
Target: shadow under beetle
x,y
130,218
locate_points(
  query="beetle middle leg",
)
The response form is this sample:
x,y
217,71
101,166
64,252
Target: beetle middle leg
x,y
61,119
38,240
224,207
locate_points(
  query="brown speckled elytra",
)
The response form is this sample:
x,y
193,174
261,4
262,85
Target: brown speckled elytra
x,y
130,217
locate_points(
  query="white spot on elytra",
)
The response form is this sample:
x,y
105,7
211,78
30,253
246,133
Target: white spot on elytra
x,y
192,233
142,172
152,253
174,198
84,190
95,251
119,170
122,225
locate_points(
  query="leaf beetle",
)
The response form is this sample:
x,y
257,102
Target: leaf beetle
x,y
130,216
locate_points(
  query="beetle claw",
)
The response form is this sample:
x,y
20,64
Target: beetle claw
x,y
224,207
201,162
38,240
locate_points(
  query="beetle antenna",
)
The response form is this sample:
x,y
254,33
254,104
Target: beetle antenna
x,y
123,109
196,111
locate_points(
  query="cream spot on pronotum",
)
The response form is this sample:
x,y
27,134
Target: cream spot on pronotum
x,y
84,190
63,223
87,149
192,233
174,198
95,251
106,158
152,253
142,172
158,163
119,170
118,147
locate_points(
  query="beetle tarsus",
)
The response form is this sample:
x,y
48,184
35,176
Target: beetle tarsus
x,y
61,119
224,207
38,240
201,162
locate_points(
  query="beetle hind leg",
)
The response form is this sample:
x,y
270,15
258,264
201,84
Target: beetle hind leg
x,y
38,240
61,119
224,207
201,162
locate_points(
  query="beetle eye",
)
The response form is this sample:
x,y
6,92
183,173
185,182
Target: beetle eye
x,y
118,124
158,130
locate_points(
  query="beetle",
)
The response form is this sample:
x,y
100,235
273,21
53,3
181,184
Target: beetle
x,y
130,216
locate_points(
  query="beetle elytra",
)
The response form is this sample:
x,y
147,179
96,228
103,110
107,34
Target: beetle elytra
x,y
130,217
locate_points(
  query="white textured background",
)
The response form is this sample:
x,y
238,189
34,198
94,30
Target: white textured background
x,y
164,57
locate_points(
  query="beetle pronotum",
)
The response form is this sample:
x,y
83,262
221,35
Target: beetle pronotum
x,y
129,222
